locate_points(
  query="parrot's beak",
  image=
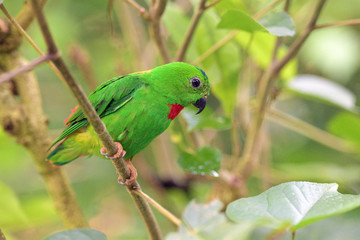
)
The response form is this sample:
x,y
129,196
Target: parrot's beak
x,y
200,104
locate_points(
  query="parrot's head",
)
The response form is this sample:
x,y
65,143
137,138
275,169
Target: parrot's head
x,y
181,83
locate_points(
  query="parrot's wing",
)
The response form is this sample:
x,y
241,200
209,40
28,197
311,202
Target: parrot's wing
x,y
106,99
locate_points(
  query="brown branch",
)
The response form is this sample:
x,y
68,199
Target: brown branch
x,y
142,11
156,10
2,236
310,131
26,16
10,74
190,32
265,86
26,122
99,127
213,3
232,34
160,208
352,22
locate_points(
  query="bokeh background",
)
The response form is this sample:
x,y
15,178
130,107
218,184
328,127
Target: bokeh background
x,y
98,44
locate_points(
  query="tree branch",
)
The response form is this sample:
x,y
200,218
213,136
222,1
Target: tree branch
x,y
160,208
156,10
99,127
213,3
190,32
266,83
139,8
232,34
352,22
29,39
310,131
10,74
26,16
26,122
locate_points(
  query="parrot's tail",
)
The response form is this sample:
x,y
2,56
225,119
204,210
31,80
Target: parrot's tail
x,y
62,155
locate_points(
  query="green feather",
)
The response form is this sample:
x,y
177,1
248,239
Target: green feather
x,y
135,109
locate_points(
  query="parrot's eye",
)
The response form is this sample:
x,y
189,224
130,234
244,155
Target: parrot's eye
x,y
195,82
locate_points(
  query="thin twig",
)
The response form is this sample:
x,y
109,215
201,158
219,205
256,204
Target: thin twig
x,y
232,34
156,10
213,3
160,208
99,127
29,39
26,15
352,22
10,74
215,47
266,83
310,131
190,32
142,11
266,9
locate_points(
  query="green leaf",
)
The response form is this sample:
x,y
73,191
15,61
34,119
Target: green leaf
x,y
235,19
278,23
322,89
11,212
206,221
206,160
205,120
78,234
345,125
292,205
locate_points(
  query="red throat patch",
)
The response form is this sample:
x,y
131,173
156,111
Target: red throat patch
x,y
174,110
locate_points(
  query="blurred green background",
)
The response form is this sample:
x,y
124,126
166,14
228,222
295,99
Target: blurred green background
x,y
121,44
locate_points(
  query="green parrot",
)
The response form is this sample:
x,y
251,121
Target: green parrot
x,y
135,108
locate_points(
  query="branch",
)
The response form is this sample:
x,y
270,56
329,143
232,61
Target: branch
x,y
266,83
352,22
232,34
2,236
156,10
311,131
26,122
10,74
213,3
160,208
26,15
29,39
190,32
139,8
99,127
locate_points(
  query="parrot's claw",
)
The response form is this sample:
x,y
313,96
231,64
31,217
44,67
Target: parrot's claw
x,y
133,174
119,154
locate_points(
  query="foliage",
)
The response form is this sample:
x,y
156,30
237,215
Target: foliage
x,y
236,43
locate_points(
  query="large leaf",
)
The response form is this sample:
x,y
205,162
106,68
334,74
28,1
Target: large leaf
x,y
323,89
292,205
278,23
11,212
206,160
235,19
208,222
78,234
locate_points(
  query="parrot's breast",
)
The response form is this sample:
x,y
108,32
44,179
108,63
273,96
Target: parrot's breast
x,y
140,121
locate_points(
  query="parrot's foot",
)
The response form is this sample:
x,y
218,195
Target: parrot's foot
x,y
119,154
133,174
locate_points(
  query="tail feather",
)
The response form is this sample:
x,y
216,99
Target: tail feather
x,y
62,155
